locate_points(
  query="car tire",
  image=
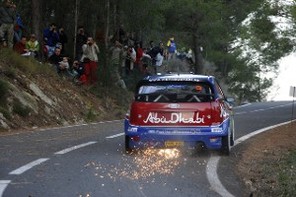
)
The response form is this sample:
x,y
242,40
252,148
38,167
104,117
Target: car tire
x,y
232,139
225,148
232,134
127,144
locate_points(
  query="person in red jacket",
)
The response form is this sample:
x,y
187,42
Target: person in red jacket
x,y
139,55
20,47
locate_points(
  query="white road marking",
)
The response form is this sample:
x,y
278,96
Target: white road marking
x,y
70,126
213,177
263,109
28,166
3,185
114,136
212,165
67,150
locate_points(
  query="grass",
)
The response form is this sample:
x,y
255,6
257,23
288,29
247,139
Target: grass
x,y
27,65
287,176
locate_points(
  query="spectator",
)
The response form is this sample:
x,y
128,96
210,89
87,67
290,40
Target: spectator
x,y
18,29
123,69
90,53
130,59
151,45
116,59
145,61
78,73
20,47
33,46
81,39
63,39
172,48
116,54
56,57
139,55
51,38
7,21
63,67
157,54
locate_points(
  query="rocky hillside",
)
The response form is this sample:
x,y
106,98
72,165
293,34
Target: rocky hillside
x,y
33,96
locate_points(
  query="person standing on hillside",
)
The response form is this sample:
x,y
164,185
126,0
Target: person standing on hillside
x,y
7,21
51,38
90,53
63,39
81,39
172,48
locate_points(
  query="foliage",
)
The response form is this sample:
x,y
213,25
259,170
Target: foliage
x,y
21,109
4,89
91,114
5,113
213,26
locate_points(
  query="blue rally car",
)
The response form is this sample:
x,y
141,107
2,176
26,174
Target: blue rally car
x,y
179,110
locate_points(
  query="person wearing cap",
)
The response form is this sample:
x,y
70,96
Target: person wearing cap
x,y
33,45
172,48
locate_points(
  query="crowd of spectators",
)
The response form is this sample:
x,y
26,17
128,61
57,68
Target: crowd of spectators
x,y
126,53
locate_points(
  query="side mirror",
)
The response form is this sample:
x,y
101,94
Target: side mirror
x,y
230,101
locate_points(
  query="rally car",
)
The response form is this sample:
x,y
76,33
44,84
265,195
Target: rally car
x,y
179,110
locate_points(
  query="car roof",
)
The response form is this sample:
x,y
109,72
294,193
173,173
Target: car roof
x,y
178,77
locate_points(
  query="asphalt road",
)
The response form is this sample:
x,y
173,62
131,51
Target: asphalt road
x,y
89,160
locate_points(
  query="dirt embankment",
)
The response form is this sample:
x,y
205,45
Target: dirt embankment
x,y
266,163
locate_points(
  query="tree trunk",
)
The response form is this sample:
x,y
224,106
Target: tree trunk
x,y
75,26
107,26
36,19
198,68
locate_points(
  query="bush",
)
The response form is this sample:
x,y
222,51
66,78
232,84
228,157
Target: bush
x,y
20,109
91,115
5,113
4,88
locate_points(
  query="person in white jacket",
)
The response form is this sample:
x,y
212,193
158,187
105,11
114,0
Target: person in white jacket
x,y
90,58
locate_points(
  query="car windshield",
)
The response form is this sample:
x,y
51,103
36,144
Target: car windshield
x,y
175,92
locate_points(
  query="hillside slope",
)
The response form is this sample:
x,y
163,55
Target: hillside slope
x,y
34,96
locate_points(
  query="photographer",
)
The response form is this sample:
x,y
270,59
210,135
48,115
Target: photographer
x,y
51,38
7,21
90,52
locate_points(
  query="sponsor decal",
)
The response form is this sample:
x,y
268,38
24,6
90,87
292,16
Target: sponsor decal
x,y
132,129
183,132
174,106
217,130
174,118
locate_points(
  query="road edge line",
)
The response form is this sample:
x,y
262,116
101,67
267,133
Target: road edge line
x,y
67,150
3,185
28,166
213,162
